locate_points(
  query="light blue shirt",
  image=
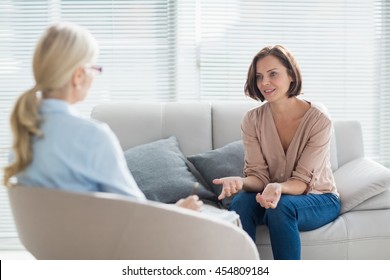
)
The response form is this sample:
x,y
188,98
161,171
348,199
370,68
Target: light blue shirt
x,y
77,154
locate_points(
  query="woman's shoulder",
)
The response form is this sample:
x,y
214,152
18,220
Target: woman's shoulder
x,y
85,123
319,111
94,130
256,112
318,118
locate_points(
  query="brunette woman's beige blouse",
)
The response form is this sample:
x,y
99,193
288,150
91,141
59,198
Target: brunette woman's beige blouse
x,y
307,158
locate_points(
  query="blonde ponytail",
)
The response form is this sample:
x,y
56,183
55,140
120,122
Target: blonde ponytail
x,y
62,48
25,123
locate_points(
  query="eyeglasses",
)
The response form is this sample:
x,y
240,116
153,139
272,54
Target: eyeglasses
x,y
95,68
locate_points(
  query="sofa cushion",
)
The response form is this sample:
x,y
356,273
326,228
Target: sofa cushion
x,y
359,180
377,202
222,162
160,170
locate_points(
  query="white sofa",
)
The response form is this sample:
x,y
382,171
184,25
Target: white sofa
x,y
362,231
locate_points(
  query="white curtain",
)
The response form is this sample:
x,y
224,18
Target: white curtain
x,y
201,49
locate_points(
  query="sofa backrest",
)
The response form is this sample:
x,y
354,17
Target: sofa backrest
x,y
349,141
202,126
137,123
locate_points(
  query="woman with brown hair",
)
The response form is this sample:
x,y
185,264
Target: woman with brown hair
x,y
288,182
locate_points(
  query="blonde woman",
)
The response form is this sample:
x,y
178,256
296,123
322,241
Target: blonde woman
x,y
53,146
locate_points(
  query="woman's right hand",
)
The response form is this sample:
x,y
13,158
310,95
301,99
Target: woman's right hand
x,y
230,186
191,202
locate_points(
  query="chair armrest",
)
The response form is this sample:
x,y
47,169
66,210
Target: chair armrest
x,y
359,180
55,224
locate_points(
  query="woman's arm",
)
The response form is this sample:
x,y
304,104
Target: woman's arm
x,y
314,158
256,171
294,187
233,184
253,184
270,197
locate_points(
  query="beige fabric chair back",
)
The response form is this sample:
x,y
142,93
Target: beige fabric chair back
x,y
54,224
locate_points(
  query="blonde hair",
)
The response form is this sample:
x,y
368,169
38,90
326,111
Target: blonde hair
x,y
62,49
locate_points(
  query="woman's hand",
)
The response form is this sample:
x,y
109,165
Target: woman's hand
x,y
230,186
270,197
191,202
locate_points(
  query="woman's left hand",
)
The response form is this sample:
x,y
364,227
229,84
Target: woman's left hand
x,y
270,196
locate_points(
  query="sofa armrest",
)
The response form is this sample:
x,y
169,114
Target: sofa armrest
x,y
359,180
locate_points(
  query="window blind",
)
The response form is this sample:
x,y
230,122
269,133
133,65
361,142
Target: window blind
x,y
341,47
201,49
384,81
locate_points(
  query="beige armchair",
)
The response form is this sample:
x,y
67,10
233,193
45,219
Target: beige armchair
x,y
54,224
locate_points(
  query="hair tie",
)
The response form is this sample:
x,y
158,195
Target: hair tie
x,y
35,90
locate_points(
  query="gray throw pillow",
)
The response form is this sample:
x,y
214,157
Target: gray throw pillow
x,y
218,163
160,170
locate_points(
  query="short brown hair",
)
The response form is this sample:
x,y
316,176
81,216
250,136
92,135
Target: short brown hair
x,y
288,61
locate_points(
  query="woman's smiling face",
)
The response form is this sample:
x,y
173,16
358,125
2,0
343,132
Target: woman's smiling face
x,y
272,78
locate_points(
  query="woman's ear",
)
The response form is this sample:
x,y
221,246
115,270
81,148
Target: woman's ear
x,y
78,77
290,75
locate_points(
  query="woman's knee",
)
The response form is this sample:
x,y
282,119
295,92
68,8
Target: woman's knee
x,y
284,209
244,202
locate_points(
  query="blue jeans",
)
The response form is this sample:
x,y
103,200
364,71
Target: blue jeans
x,y
293,213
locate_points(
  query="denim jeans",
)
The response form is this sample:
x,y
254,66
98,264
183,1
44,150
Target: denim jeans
x,y
293,213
